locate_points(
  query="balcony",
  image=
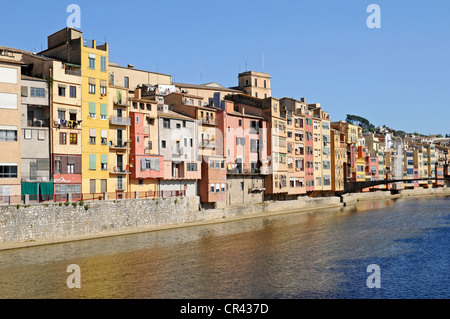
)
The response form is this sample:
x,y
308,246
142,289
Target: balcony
x,y
209,122
70,70
120,121
118,171
120,101
38,123
208,144
254,171
119,145
178,152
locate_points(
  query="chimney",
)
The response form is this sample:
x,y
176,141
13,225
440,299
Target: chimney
x,y
302,100
138,93
130,66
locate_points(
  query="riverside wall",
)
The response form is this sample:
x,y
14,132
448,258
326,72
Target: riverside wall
x,y
44,224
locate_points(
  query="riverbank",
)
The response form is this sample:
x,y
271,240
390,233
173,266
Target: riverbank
x,y
45,225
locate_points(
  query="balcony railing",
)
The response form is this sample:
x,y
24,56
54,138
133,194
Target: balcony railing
x,y
208,144
119,171
119,145
122,121
120,101
209,121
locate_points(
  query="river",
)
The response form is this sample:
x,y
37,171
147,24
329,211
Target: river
x,y
321,254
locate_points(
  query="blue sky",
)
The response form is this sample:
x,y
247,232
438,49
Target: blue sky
x,y
322,50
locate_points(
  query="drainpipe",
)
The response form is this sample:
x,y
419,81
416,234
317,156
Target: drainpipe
x,y
50,135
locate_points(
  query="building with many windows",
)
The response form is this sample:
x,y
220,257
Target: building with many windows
x,y
10,122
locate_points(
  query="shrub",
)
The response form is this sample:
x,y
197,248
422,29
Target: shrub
x,y
18,206
60,204
74,205
67,204
81,203
175,201
86,207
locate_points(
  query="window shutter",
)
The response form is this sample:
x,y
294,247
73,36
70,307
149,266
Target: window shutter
x,y
103,109
93,162
104,159
24,90
143,164
92,108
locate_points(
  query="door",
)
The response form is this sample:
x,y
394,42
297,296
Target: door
x,y
119,138
92,186
120,163
104,186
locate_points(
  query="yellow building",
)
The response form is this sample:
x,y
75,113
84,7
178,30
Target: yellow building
x,y
94,110
10,123
92,59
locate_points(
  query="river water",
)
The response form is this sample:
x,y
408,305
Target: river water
x,y
323,254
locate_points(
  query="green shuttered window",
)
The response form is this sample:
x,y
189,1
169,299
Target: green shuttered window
x,y
93,162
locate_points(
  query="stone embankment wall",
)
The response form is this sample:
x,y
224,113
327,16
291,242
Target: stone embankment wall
x,y
56,223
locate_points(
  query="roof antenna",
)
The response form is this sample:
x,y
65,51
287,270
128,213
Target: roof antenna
x,y
246,69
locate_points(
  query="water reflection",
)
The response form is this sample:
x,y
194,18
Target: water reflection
x,y
298,255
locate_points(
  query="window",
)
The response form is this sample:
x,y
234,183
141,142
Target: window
x,y
211,164
103,90
62,138
256,82
192,142
163,144
166,123
178,125
217,188
92,110
73,138
91,61
92,186
28,134
126,82
254,146
92,140
191,167
185,142
70,168
61,115
104,162
9,135
37,92
111,79
141,182
104,141
92,162
61,91
217,164
57,165
184,124
73,116
240,122
8,171
242,186
103,111
103,64
91,88
240,141
223,188
73,91
212,188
